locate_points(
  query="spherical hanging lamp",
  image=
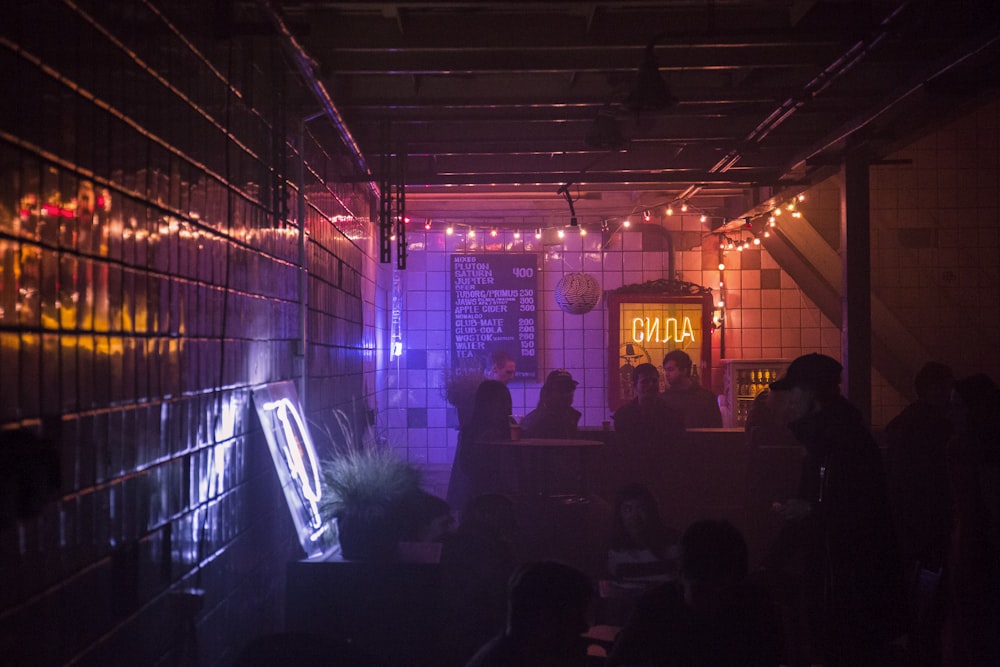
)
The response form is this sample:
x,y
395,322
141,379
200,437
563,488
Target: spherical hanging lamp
x,y
577,293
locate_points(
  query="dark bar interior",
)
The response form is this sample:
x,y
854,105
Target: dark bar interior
x,y
245,241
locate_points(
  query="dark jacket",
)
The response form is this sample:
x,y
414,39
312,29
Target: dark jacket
x,y
854,575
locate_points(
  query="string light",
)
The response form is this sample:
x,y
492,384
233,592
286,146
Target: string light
x,y
645,216
583,232
449,230
493,232
472,233
670,210
427,224
561,233
517,233
538,233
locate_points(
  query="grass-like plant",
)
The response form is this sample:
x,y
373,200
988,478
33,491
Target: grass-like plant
x,y
365,487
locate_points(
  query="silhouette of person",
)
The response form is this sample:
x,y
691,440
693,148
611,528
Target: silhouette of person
x,y
972,572
839,522
548,607
476,466
502,367
555,416
920,499
712,617
698,405
645,427
640,547
477,560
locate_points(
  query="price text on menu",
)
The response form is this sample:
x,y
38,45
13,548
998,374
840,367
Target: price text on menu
x,y
494,307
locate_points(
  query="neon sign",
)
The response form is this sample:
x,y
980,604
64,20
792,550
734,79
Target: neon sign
x,y
648,329
295,461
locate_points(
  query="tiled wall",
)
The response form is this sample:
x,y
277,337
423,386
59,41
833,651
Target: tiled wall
x,y
148,243
935,263
767,317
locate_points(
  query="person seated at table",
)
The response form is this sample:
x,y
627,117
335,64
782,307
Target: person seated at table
x,y
699,405
711,617
548,608
476,468
641,547
645,427
477,560
555,416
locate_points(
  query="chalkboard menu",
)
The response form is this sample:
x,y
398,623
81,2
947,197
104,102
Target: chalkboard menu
x,y
494,307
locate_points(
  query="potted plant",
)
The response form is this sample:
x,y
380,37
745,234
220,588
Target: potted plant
x,y
366,487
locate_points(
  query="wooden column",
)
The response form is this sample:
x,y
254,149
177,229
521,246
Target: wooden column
x,y
855,257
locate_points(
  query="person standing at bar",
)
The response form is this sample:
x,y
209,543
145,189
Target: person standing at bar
x,y
699,405
852,584
502,367
645,427
476,468
555,416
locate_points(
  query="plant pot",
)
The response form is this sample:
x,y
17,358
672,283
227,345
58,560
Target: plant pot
x,y
368,536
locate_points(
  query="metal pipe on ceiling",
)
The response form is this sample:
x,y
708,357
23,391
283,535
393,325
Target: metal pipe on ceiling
x,y
306,67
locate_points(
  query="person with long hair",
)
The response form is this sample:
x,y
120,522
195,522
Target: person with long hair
x,y
640,547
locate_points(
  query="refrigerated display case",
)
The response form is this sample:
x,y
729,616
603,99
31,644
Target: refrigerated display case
x,y
742,380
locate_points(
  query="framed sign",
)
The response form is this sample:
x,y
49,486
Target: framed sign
x,y
494,306
646,321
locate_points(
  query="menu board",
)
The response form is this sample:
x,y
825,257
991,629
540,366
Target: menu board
x,y
494,307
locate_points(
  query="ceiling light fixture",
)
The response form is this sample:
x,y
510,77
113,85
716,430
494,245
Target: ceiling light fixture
x,y
649,92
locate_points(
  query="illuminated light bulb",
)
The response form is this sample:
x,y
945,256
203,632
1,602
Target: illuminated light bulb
x,y
767,234
627,223
739,248
449,230
776,212
722,245
721,284
772,222
790,206
796,214
730,246
493,232
427,225
684,207
756,241
583,232
562,233
721,304
703,218
406,219
670,210
722,267
517,233
472,233
801,197
538,233
645,216
392,237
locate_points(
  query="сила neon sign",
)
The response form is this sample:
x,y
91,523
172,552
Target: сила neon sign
x,y
662,329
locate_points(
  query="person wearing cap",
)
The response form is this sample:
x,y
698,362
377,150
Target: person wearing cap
x,y
699,405
839,523
555,416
